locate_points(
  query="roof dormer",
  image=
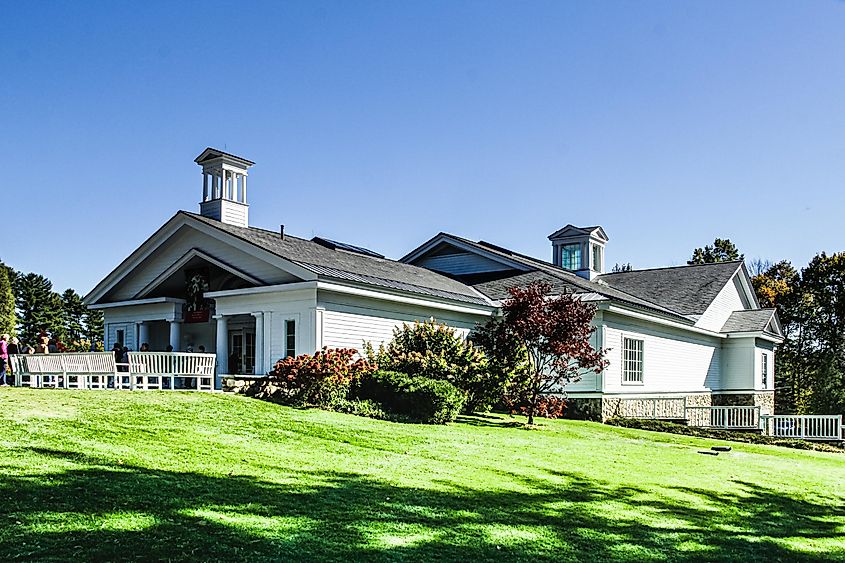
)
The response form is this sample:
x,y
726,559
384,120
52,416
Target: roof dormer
x,y
224,187
579,250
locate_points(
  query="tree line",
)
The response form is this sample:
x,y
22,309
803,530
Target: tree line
x,y
810,302
28,304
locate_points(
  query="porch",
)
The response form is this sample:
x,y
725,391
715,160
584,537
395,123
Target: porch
x,y
164,371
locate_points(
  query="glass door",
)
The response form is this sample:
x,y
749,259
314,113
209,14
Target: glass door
x,y
236,351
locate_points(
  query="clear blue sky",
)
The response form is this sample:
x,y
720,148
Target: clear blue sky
x,y
382,123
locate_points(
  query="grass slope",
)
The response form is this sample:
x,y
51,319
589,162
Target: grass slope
x,y
146,475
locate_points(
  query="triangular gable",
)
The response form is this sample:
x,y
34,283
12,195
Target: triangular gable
x,y
455,256
573,231
737,294
173,241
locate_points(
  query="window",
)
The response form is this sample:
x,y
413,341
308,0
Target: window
x,y
570,256
121,338
596,258
290,338
632,360
765,370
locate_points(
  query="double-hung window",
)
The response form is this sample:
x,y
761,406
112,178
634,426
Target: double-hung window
x,y
632,360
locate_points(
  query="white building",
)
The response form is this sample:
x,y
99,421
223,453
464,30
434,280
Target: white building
x,y
252,296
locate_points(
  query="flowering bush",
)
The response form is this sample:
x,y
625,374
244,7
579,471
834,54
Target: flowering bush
x,y
322,378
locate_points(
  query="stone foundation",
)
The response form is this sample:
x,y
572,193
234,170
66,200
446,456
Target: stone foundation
x,y
763,399
665,407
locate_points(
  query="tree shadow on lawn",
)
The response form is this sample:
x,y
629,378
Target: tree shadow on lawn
x,y
347,517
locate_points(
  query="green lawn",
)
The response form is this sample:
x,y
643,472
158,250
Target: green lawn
x,y
146,475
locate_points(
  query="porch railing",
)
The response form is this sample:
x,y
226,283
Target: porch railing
x,y
98,370
803,427
726,417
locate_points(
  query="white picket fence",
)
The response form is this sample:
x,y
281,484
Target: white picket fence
x,y
725,418
98,370
820,427
803,427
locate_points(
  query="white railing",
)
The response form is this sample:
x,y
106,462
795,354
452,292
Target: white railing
x,y
157,370
803,427
665,408
98,370
726,418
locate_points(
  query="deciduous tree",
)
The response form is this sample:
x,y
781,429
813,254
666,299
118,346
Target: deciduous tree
x,y
8,319
553,333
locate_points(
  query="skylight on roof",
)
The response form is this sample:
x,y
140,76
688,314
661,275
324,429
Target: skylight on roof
x,y
336,245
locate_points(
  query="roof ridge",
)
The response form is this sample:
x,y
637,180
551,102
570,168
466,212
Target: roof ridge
x,y
674,267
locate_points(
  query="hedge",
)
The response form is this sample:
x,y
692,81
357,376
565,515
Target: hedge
x,y
413,398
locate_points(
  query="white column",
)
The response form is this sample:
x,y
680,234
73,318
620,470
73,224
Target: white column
x,y
222,349
259,343
143,335
244,191
205,186
176,335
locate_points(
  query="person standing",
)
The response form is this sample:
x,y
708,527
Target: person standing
x,y
4,359
42,345
13,349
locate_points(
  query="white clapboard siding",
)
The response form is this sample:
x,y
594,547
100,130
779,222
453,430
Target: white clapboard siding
x,y
726,302
738,365
178,245
672,360
461,263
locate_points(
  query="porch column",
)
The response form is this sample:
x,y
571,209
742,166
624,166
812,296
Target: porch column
x,y
259,343
244,186
222,349
176,335
143,335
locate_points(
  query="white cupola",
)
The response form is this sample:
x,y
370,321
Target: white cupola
x,y
579,249
224,187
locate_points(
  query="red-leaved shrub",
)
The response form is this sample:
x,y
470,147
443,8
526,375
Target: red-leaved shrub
x,y
322,378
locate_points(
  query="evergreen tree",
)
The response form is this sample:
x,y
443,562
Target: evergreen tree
x,y
8,319
722,250
93,323
73,316
38,306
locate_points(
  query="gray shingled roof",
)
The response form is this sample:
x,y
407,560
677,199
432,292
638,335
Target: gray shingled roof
x,y
689,290
343,265
558,278
749,321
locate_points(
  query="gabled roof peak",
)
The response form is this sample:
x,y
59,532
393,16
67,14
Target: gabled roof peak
x,y
211,153
573,231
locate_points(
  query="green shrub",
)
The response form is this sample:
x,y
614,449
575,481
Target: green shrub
x,y
413,398
436,351
361,407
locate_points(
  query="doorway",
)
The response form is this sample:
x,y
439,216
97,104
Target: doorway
x,y
241,352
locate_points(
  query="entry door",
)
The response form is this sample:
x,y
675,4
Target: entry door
x,y
241,352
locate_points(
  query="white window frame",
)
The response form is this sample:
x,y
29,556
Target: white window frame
x,y
764,370
626,362
288,335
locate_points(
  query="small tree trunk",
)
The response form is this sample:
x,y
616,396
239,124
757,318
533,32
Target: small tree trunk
x,y
532,405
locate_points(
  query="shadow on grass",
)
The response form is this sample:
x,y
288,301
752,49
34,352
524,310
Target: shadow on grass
x,y
103,510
